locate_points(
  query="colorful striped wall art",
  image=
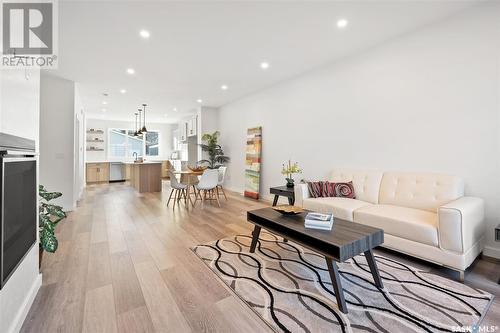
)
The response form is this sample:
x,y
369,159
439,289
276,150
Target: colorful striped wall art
x,y
253,161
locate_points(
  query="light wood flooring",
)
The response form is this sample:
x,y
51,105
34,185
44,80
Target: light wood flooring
x,y
124,264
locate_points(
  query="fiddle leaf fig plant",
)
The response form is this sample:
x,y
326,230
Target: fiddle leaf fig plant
x,y
49,216
216,157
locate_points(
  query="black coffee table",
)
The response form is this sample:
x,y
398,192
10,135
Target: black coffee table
x,y
344,241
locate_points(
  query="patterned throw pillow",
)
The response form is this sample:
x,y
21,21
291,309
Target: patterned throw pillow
x,y
315,189
340,190
345,190
328,189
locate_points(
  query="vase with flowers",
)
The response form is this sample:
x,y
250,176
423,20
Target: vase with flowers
x,y
289,170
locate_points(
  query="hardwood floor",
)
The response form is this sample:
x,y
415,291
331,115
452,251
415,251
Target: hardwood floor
x,y
124,265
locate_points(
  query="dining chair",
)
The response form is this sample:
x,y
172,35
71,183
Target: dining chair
x,y
178,190
220,182
207,185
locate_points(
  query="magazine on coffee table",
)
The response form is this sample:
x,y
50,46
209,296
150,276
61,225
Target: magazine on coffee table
x,y
319,221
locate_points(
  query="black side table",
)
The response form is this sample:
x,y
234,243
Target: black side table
x,y
284,192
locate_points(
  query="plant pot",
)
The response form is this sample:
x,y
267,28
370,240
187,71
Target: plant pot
x,y
289,182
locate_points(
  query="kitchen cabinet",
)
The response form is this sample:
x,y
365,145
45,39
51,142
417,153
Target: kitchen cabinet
x,y
97,172
183,131
127,171
192,126
146,177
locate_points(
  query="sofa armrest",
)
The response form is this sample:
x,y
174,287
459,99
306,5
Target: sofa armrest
x,y
301,193
461,224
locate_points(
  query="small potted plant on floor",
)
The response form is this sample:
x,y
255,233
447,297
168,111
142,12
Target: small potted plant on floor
x,y
49,216
288,171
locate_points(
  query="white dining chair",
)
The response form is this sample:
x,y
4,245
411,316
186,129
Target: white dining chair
x,y
207,185
178,190
220,182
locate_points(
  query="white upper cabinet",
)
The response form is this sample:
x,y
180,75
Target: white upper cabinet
x,y
183,131
192,126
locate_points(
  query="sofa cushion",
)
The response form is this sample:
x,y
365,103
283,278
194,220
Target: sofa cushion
x,y
366,183
412,224
341,208
426,191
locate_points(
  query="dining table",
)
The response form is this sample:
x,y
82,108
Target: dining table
x,y
188,175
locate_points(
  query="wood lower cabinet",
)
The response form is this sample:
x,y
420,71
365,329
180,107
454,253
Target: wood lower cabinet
x,y
97,172
127,171
146,177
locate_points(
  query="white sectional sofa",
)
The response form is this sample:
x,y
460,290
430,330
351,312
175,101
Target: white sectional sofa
x,y
422,214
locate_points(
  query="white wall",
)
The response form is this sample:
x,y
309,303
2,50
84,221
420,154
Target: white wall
x,y
20,102
57,137
79,148
19,115
427,101
208,120
104,124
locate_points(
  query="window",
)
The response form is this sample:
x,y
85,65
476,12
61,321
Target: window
x,y
152,143
123,144
135,145
117,143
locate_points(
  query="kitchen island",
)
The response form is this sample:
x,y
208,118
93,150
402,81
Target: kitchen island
x,y
145,176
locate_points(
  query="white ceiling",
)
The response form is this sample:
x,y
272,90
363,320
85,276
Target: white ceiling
x,y
195,47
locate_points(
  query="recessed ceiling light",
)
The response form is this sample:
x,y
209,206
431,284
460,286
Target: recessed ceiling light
x,y
144,34
175,109
123,91
224,87
199,100
104,102
130,71
264,65
342,23
103,110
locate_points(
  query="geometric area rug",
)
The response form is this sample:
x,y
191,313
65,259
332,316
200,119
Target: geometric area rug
x,y
289,287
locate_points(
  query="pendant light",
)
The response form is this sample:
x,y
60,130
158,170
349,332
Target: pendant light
x,y
135,128
139,131
144,129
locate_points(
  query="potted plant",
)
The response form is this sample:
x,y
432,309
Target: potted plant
x,y
288,171
49,216
216,157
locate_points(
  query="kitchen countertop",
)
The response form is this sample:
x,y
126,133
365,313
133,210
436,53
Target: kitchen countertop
x,y
126,162
145,162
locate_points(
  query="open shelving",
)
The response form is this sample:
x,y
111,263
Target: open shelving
x,y
95,139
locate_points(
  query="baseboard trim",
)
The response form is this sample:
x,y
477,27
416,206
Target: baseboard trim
x,y
28,302
491,252
235,190
264,198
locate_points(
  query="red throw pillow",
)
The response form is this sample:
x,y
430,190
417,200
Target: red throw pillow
x,y
315,189
345,190
329,189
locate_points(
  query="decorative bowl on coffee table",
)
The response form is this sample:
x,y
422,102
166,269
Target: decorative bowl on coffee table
x,y
288,209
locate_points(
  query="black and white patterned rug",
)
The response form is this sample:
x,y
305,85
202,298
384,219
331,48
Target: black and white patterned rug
x,y
290,288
